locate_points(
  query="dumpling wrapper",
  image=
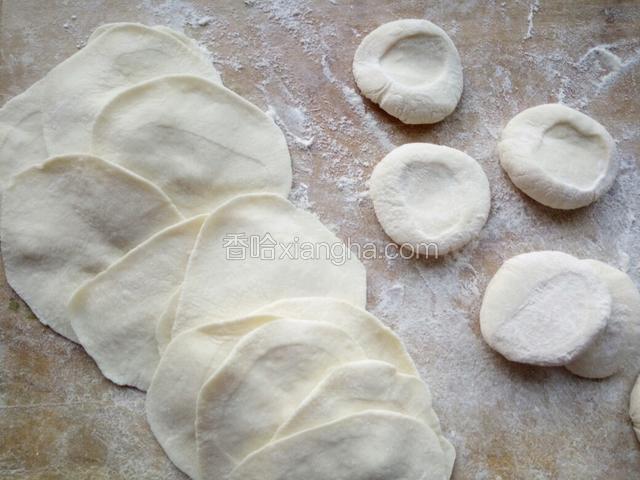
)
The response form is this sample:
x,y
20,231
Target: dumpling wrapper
x,y
220,286
366,446
165,322
124,55
194,355
366,385
21,140
115,313
68,219
198,141
266,376
22,143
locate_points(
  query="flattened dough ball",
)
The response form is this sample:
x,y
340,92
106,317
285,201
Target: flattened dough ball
x,y
544,308
621,336
558,156
412,69
427,196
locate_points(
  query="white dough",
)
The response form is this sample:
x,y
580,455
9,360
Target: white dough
x,y
558,156
430,198
412,69
181,37
199,142
373,445
377,340
115,313
620,339
65,221
218,286
266,376
21,141
186,363
194,355
76,90
165,322
634,408
365,385
544,308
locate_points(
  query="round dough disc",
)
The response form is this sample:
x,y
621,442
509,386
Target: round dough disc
x,y
558,156
115,313
370,445
412,69
68,219
544,308
76,90
430,198
266,376
619,341
245,258
203,146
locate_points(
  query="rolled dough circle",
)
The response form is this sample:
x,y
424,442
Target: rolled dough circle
x,y
430,198
412,69
204,146
621,336
558,156
544,308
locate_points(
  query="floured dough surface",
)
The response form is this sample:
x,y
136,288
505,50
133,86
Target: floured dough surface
x,y
544,308
412,69
221,285
366,385
115,314
430,198
199,142
558,156
65,221
76,90
195,354
618,342
263,380
366,446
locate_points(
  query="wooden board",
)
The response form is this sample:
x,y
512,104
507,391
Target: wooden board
x,y
59,419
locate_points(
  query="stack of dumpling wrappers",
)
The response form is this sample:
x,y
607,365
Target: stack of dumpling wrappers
x,y
144,216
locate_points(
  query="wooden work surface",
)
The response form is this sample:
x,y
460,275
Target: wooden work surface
x,y
60,419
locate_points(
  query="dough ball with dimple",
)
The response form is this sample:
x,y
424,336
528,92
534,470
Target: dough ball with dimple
x,y
558,156
544,308
429,198
620,339
412,69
